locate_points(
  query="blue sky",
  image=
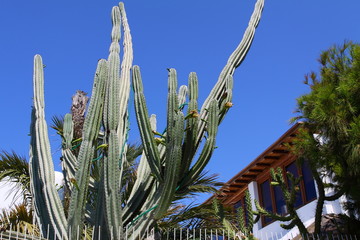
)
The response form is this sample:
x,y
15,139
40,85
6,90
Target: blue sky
x,y
187,35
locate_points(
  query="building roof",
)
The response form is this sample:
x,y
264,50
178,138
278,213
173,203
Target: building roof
x,y
276,152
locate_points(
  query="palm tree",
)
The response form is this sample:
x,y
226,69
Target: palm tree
x,y
192,216
14,168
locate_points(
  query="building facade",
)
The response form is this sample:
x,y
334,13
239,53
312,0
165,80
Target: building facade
x,y
256,178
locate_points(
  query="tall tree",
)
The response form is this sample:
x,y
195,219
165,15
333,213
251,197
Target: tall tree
x,y
331,116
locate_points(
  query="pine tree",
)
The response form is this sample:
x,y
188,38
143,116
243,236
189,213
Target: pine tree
x,y
331,115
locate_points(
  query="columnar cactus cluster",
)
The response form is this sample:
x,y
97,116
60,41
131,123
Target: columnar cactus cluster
x,y
168,165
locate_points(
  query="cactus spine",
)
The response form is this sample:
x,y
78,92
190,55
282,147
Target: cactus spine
x,y
167,166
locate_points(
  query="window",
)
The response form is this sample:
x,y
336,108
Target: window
x,y
238,204
292,168
307,191
272,200
279,201
266,199
242,204
308,180
271,197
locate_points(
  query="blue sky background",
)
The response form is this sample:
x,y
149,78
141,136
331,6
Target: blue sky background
x,y
187,35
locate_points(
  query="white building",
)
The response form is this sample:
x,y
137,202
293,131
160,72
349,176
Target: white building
x,y
256,178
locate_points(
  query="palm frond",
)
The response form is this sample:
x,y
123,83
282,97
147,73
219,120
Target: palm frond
x,y
130,166
15,169
58,124
191,217
133,151
203,184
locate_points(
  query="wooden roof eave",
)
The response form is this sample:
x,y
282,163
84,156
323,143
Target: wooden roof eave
x,y
273,153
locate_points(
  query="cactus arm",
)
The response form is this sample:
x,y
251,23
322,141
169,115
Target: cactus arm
x,y
113,88
143,184
99,208
150,201
233,62
288,226
240,52
148,211
182,96
290,198
124,74
136,203
191,123
272,215
139,230
246,227
172,102
145,217
68,167
147,137
241,220
68,130
209,146
143,171
48,207
174,136
116,119
226,100
220,214
87,149
68,162
249,211
112,185
172,168
123,125
112,160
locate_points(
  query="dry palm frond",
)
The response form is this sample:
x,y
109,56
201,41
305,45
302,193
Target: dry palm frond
x,y
19,219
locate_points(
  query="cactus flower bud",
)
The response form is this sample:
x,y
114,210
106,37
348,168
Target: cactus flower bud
x,y
159,140
228,105
192,114
275,183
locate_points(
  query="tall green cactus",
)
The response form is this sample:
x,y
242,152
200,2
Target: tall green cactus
x,y
48,207
168,166
87,149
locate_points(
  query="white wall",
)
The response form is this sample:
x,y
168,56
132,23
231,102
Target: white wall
x,y
7,194
8,190
306,213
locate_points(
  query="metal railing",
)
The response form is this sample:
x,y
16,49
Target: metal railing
x,y
176,234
